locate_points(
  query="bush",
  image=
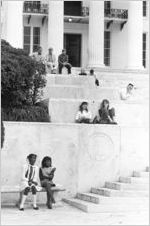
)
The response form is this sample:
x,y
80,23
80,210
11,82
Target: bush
x,y
27,114
22,77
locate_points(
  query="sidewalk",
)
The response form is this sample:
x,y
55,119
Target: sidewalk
x,y
63,214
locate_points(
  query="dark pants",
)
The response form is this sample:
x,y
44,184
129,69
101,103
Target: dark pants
x,y
84,121
68,66
28,189
104,117
48,185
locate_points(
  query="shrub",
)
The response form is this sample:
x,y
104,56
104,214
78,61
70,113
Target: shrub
x,y
22,77
27,114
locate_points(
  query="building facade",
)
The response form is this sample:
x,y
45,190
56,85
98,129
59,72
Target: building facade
x,y
99,34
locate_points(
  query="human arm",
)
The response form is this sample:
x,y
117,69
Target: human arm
x,y
78,116
60,60
24,173
66,59
42,177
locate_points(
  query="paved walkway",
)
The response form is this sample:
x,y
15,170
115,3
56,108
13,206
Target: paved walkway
x,y
63,214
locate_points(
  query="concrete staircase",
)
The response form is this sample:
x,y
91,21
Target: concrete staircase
x,y
127,194
66,92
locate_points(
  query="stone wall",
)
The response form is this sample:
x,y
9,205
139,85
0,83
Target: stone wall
x,y
84,155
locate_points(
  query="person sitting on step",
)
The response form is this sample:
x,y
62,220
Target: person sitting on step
x,y
46,175
63,62
83,115
128,93
50,62
92,73
106,115
29,181
37,55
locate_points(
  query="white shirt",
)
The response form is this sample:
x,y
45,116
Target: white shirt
x,y
84,114
124,95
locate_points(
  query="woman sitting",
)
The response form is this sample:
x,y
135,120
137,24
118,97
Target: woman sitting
x,y
83,115
46,175
106,115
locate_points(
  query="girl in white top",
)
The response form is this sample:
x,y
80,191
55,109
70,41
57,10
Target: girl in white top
x,y
83,115
29,181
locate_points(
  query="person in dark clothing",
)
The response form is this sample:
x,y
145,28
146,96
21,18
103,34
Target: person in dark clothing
x,y
92,73
63,62
46,175
106,115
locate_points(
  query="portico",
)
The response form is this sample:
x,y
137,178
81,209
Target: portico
x,y
110,36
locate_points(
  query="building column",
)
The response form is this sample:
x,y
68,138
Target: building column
x,y
56,26
135,33
96,34
14,24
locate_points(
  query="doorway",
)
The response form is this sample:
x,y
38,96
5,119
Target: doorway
x,y
72,44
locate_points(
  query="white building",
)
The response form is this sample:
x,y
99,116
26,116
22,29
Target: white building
x,y
113,34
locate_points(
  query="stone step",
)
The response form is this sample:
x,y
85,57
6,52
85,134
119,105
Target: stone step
x,y
124,193
64,111
112,79
76,92
97,198
126,186
89,197
105,208
140,174
135,180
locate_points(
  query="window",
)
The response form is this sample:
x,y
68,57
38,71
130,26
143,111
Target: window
x,y
107,7
27,35
107,48
144,49
72,8
144,8
31,39
36,38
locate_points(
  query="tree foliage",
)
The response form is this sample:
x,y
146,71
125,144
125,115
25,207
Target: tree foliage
x,y
21,77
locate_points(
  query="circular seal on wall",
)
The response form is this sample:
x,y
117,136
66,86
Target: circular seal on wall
x,y
101,147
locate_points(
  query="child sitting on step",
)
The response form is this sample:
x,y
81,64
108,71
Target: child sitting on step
x,y
83,115
46,175
29,181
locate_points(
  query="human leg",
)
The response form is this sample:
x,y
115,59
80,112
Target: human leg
x,y
34,191
50,198
24,196
68,66
60,68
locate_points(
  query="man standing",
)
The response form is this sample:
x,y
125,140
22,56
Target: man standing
x,y
63,62
50,62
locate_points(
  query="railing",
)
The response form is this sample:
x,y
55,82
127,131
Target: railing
x,y
116,13
35,7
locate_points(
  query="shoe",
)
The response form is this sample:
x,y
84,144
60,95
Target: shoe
x,y
36,208
21,209
49,205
